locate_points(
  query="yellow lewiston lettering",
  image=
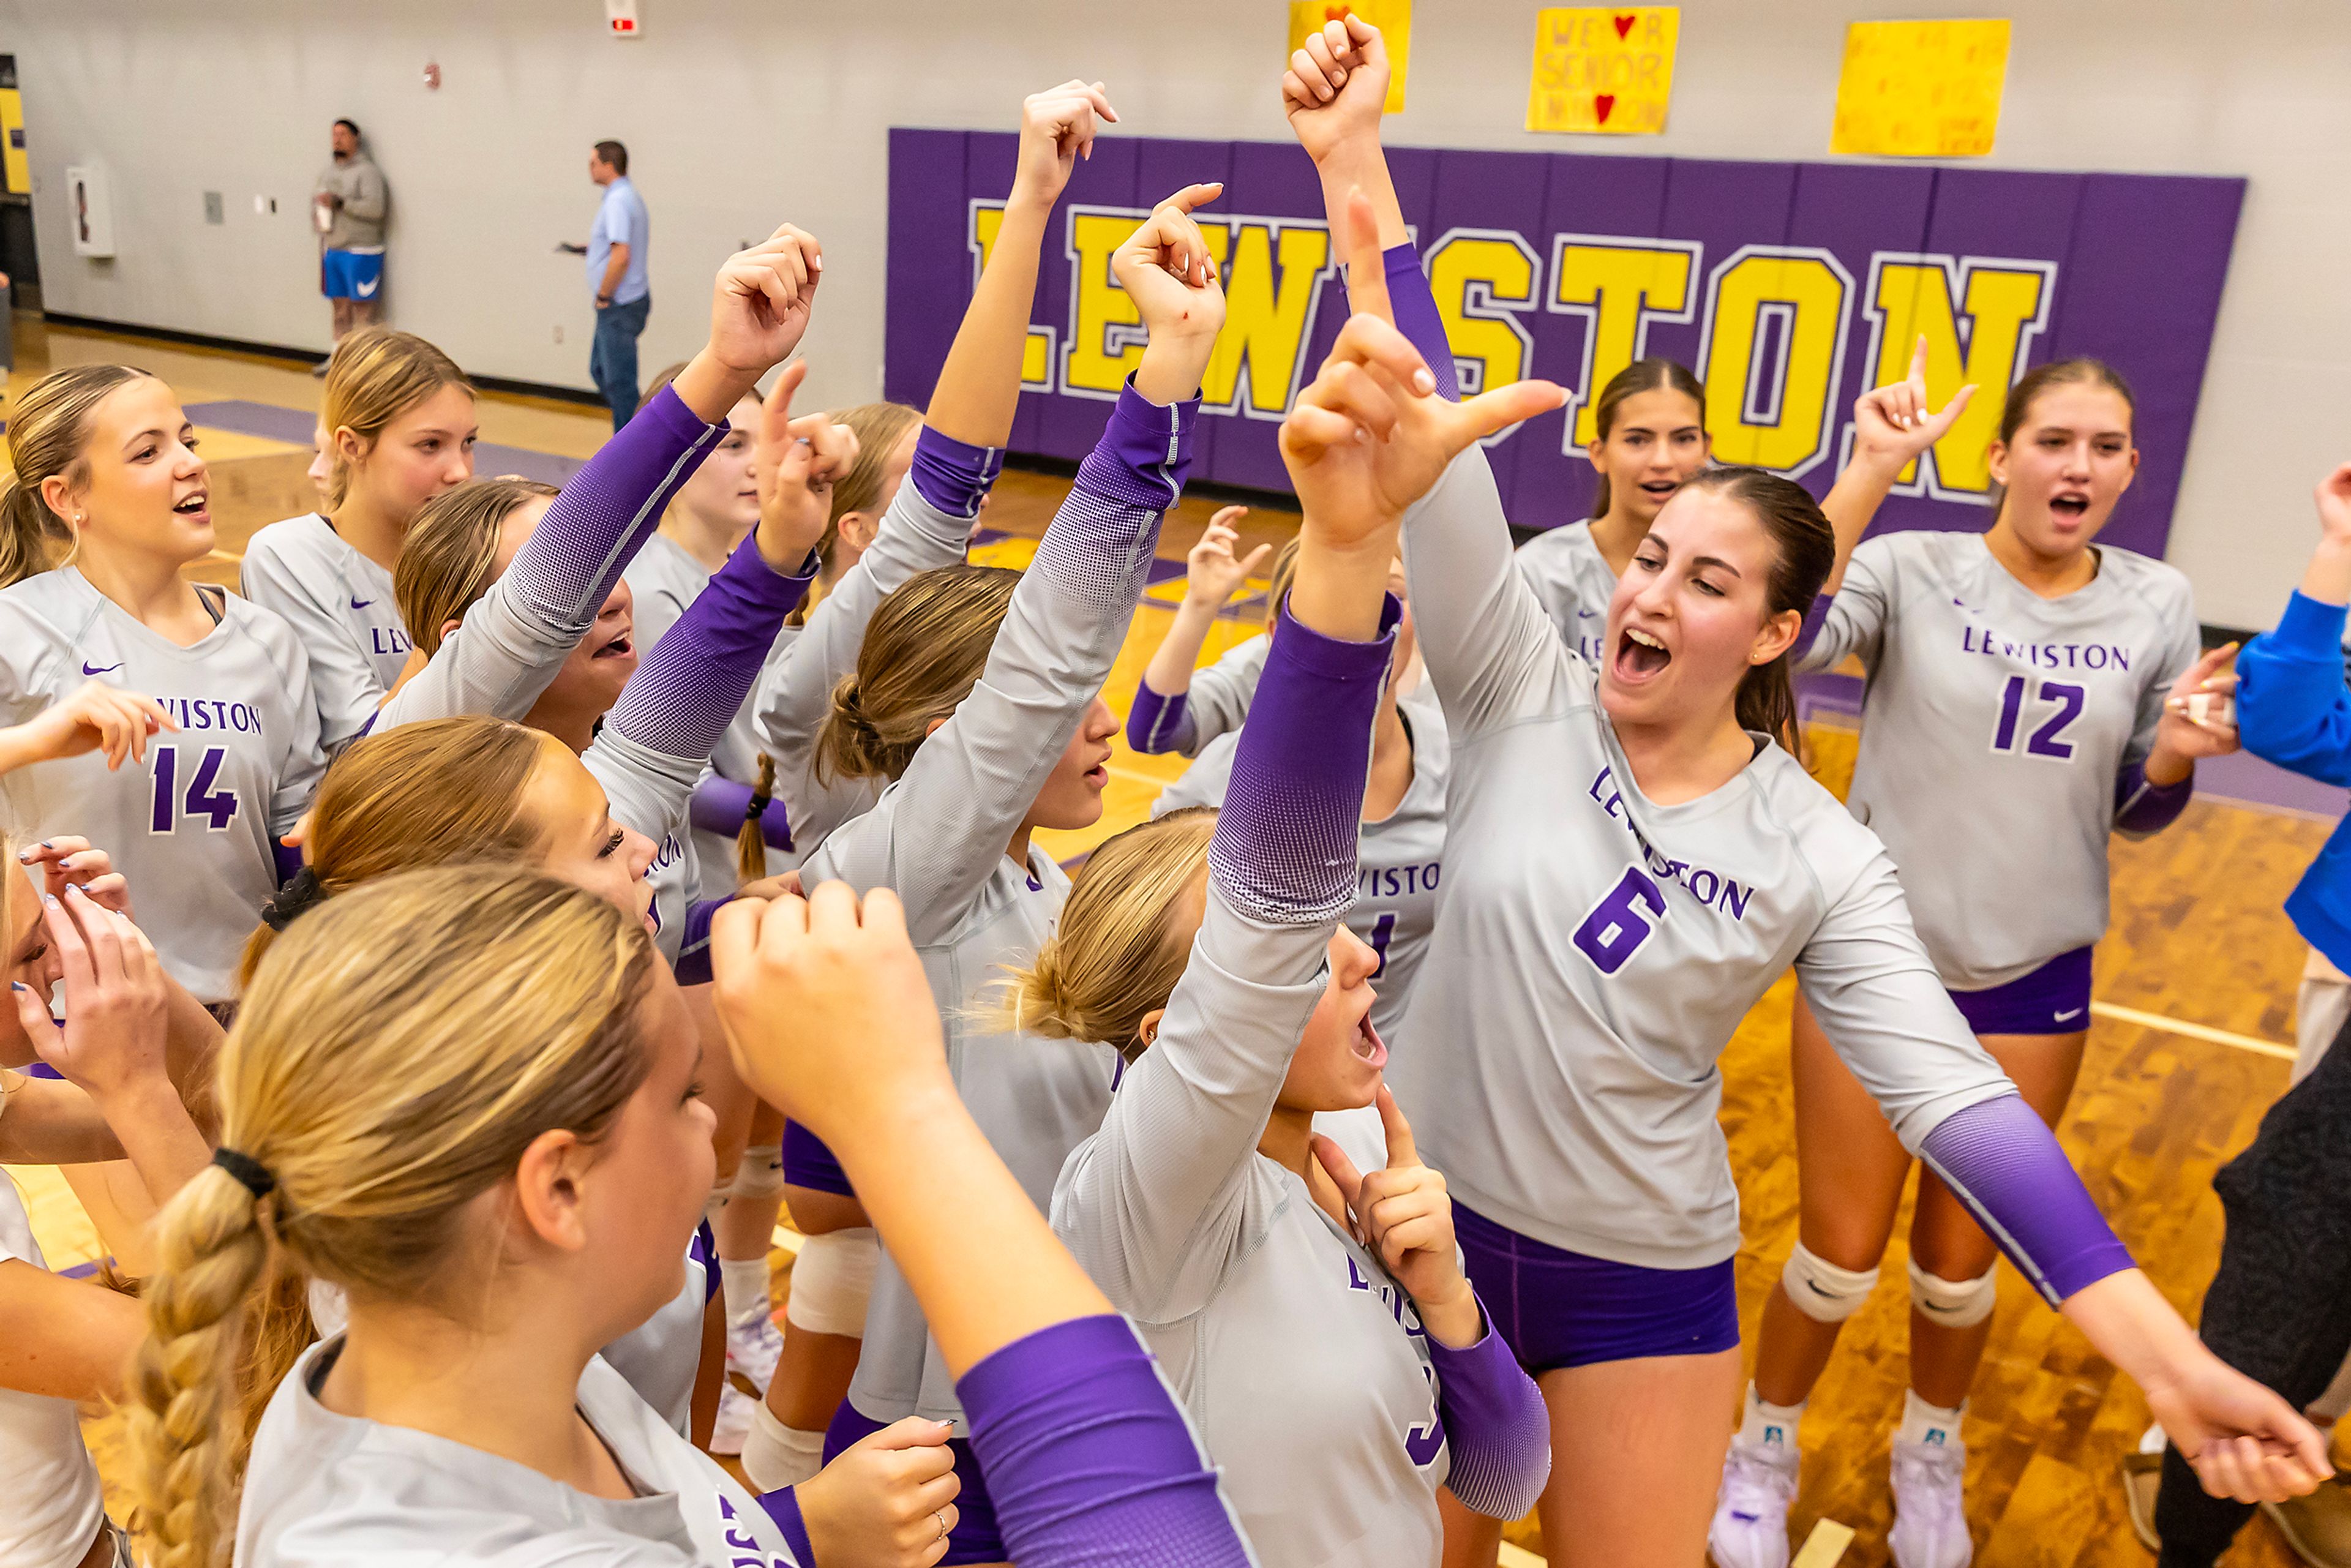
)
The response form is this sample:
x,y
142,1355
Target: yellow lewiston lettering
x,y
1481,278
1773,354
1106,334
2006,304
1273,271
1618,286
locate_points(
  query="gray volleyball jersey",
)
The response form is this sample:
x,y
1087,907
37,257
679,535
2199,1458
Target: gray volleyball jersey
x,y
1300,1361
1400,860
1596,950
326,1490
195,826
1995,725
1574,582
795,690
938,836
663,580
341,605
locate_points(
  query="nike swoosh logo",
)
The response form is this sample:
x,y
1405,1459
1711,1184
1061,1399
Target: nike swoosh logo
x,y
99,669
2077,1012
367,289
362,603
1583,614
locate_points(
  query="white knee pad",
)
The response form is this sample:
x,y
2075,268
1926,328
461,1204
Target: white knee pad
x,y
832,1280
1960,1304
761,1173
1823,1292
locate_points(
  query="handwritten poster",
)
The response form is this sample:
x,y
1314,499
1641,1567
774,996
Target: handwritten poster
x,y
1392,18
1601,68
1921,90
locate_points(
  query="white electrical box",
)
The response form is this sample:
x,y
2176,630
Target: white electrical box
x,y
90,209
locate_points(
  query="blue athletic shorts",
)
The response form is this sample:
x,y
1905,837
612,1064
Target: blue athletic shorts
x,y
1555,1308
2053,999
350,274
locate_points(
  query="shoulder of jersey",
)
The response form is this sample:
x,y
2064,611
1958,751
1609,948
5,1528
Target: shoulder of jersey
x,y
297,543
1823,832
2153,580
1559,541
258,622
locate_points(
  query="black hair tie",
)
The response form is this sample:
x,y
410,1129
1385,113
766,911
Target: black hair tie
x,y
299,894
756,807
250,1173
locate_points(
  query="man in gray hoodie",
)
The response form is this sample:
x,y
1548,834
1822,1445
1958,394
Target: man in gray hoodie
x,y
347,208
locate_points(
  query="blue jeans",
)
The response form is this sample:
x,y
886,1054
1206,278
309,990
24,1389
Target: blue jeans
x,y
613,357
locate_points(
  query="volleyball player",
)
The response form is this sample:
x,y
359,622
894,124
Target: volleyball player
x,y
926,521
399,429
2022,674
469,1100
1651,438
109,500
1633,861
1315,1320
977,698
708,516
1178,707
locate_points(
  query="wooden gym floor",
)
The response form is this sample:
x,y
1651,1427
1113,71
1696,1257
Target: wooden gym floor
x,y
2190,1044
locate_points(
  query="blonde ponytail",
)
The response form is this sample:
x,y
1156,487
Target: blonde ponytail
x,y
1121,941
49,438
924,649
750,843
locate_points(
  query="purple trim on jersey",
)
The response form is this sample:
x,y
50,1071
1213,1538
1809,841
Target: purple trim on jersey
x,y
1415,306
1494,1422
2053,999
288,858
976,1537
1156,723
41,1069
1089,1459
952,475
609,509
1814,618
692,965
719,804
704,1249
809,1163
2002,1161
1143,454
784,1508
1285,844
691,686
2144,808
1555,1308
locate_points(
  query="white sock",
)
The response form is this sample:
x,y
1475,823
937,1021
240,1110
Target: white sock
x,y
1931,1424
744,1281
1769,1423
776,1456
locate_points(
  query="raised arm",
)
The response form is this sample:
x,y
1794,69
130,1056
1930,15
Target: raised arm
x,y
1891,430
830,1017
949,818
1160,719
517,635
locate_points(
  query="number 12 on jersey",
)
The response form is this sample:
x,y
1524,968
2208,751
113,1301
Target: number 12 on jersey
x,y
2049,739
216,807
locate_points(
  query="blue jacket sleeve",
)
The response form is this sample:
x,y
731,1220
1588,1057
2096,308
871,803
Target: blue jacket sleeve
x,y
2293,706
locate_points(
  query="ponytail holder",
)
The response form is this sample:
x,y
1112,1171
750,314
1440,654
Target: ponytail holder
x,y
291,900
250,1173
756,807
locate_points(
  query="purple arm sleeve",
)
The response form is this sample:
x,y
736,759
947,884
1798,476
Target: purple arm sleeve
x,y
1156,723
952,475
1145,453
1417,317
608,511
693,682
1495,1422
1814,618
1284,848
692,965
784,1508
720,804
2144,808
1089,1461
2003,1163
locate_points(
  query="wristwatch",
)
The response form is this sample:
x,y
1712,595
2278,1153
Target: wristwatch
x,y
604,301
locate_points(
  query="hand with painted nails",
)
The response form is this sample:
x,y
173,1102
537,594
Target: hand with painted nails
x,y
116,1001
1058,127
1336,88
2199,713
1370,436
885,1502
96,717
67,861
1892,424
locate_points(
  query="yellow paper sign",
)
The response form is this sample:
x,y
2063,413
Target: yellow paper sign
x,y
1920,89
1603,68
1392,18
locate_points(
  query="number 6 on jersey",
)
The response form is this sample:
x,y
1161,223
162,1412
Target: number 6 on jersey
x,y
1615,929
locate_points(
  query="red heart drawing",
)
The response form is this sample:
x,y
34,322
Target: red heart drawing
x,y
1624,24
1335,13
1601,103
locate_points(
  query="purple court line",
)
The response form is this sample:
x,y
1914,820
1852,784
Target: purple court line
x,y
293,426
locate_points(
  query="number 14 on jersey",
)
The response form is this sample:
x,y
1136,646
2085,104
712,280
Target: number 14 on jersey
x,y
217,807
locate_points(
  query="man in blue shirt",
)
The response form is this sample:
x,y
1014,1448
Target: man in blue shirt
x,y
616,272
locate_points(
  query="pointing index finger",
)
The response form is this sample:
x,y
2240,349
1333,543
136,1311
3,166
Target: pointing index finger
x,y
1401,1151
1367,276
